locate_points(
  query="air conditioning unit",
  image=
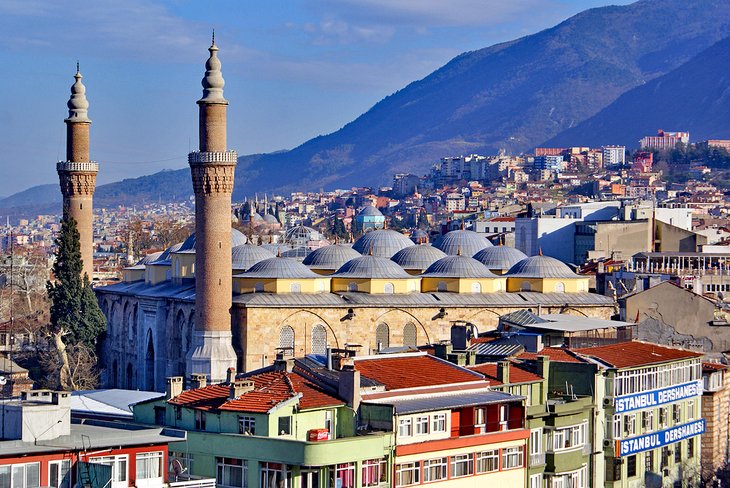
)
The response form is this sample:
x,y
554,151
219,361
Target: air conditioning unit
x,y
607,443
666,471
608,402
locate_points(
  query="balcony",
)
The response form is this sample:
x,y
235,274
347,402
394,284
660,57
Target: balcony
x,y
537,459
88,167
193,483
208,157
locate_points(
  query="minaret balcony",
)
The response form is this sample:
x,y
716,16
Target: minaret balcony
x,y
87,167
208,157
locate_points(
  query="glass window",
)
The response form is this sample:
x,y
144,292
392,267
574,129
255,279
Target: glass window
x,y
247,425
58,474
231,472
405,427
438,423
342,476
374,472
149,465
199,420
631,466
535,481
434,469
275,475
118,465
421,425
20,475
488,461
512,457
285,425
462,465
407,474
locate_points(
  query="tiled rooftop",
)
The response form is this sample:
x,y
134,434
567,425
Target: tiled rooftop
x,y
413,371
516,374
556,354
635,353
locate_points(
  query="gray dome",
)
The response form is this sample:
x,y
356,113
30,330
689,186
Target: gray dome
x,y
418,236
417,257
458,267
279,268
383,243
237,238
466,242
371,267
150,258
166,253
500,257
277,248
540,267
256,217
330,257
270,219
246,255
370,211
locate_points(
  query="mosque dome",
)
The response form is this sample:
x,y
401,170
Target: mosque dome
x,y
458,267
499,257
150,258
256,217
466,242
540,267
237,239
246,255
419,236
417,257
371,267
370,211
270,219
300,235
278,248
166,253
274,268
330,257
383,243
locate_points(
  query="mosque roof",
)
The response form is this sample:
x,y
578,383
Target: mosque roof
x,y
417,257
165,256
370,211
499,257
382,242
371,267
418,236
237,238
246,255
256,217
541,267
277,247
270,219
278,268
330,257
458,267
150,258
466,242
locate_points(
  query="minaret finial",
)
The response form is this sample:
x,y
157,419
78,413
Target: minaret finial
x,y
78,70
212,42
78,105
213,81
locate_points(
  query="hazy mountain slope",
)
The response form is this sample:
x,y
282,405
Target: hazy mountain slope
x,y
694,97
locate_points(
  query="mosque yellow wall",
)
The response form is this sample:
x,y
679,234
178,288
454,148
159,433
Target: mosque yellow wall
x,y
133,274
157,274
548,285
377,286
281,285
463,285
183,265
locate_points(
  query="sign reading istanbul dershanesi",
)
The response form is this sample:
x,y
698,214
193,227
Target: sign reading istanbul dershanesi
x,y
653,398
626,447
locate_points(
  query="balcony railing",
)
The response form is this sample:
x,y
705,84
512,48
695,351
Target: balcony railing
x,y
198,157
537,459
90,166
194,483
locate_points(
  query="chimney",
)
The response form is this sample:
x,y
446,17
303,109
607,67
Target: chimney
x,y
239,387
543,369
503,372
230,375
282,363
349,385
442,350
198,380
174,387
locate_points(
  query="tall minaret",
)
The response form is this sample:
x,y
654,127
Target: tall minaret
x,y
77,173
212,170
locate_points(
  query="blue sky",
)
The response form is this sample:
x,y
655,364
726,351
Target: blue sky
x,y
294,69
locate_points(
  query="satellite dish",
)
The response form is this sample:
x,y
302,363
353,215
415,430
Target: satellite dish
x,y
3,380
177,467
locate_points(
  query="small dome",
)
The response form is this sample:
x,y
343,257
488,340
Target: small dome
x,y
384,243
458,267
270,219
466,242
417,257
150,258
330,257
500,257
370,211
300,235
246,255
237,239
256,217
166,253
371,267
419,236
279,268
278,248
540,267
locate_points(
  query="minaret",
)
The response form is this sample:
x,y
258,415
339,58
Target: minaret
x,y
212,170
77,174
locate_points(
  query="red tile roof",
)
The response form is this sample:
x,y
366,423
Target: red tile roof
x,y
516,374
413,371
635,353
270,389
556,354
708,367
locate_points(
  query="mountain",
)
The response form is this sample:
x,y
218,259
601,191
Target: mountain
x,y
694,97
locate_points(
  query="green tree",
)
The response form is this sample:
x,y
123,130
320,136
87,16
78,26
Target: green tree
x,y
338,228
422,222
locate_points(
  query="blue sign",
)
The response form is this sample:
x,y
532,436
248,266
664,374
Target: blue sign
x,y
654,398
627,447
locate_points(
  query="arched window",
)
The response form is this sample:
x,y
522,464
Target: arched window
x,y
177,268
388,288
352,287
133,325
410,335
525,286
130,377
286,337
319,339
150,364
258,287
295,288
559,287
382,336
115,375
441,286
476,287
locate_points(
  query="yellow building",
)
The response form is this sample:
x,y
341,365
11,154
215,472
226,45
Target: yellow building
x,y
544,274
460,274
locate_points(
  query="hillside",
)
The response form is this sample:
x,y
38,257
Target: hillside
x,y
694,97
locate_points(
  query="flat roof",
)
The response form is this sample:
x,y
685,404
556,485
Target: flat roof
x,y
427,403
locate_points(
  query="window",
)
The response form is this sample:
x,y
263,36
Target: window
x,y
199,420
488,461
438,423
662,417
410,335
58,474
295,288
613,469
617,426
374,472
407,474
405,427
441,286
462,465
647,420
20,475
631,466
571,437
536,441
630,424
118,465
690,448
342,476
421,425
352,287
665,457
329,424
678,453
512,457
285,425
382,336
319,339
388,288
649,461
149,465
476,287
231,472
677,413
160,415
247,425
286,338
480,420
535,481
434,469
690,410
178,413
275,475
258,287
